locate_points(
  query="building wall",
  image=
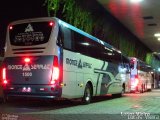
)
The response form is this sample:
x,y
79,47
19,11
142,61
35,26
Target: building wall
x,y
91,17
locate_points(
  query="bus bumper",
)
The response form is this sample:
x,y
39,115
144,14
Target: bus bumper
x,y
32,91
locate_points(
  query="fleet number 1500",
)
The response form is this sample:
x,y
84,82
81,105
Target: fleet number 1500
x,y
27,74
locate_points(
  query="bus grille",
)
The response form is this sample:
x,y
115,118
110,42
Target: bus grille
x,y
28,50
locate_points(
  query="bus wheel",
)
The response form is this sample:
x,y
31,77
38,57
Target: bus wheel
x,y
87,95
123,89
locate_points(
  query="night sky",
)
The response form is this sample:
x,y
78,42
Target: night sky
x,y
11,10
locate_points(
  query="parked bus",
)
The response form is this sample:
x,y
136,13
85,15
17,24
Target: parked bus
x,y
1,89
141,78
49,58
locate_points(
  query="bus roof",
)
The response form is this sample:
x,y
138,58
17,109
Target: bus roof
x,y
142,63
85,34
72,28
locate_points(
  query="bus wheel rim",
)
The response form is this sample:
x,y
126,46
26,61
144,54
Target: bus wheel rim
x,y
88,95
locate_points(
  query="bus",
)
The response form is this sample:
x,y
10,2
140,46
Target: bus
x,y
141,76
1,88
49,58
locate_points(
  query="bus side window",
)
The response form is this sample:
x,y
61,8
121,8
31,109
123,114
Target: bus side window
x,y
86,46
106,53
65,38
94,49
79,43
116,58
60,38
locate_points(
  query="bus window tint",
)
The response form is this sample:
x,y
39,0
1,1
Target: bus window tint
x,y
67,38
28,34
64,37
82,44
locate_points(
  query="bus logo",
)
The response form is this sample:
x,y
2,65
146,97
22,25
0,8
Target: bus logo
x,y
29,28
78,63
26,68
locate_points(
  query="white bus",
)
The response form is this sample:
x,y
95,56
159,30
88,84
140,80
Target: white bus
x,y
141,78
1,90
49,58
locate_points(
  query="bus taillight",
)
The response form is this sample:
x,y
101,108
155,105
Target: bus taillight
x,y
136,81
4,76
55,71
4,73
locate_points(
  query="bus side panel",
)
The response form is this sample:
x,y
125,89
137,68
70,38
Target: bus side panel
x,y
111,81
79,69
149,81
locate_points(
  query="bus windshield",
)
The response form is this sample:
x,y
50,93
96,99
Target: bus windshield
x,y
27,34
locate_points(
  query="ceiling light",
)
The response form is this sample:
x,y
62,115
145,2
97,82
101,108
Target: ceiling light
x,y
136,1
158,39
157,34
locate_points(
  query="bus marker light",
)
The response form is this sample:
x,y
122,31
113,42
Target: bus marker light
x,y
51,23
10,27
81,85
27,60
61,84
5,82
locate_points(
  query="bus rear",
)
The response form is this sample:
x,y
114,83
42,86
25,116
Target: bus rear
x,y
141,77
31,66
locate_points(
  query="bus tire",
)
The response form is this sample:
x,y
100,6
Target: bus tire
x,y
87,95
117,95
123,88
